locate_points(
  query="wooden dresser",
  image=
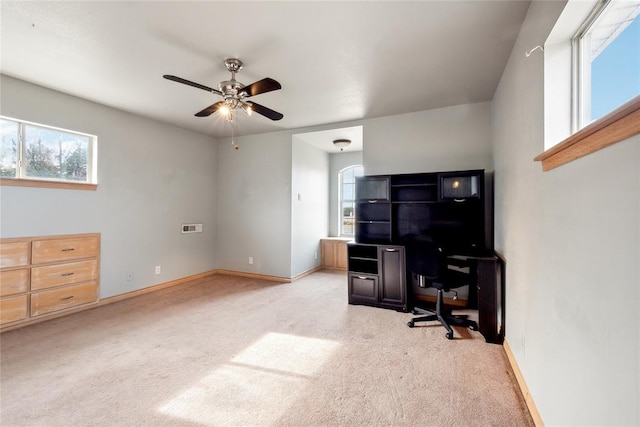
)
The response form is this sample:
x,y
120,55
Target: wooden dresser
x,y
42,277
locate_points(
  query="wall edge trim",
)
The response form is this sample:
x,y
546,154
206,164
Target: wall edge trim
x,y
531,405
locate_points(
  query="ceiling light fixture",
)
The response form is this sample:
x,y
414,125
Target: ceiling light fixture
x,y
235,94
341,143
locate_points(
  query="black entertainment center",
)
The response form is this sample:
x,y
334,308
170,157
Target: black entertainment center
x,y
454,207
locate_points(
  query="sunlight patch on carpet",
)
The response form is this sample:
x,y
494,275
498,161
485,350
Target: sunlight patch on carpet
x,y
257,385
287,353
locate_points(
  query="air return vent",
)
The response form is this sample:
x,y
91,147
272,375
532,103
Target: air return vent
x,y
191,228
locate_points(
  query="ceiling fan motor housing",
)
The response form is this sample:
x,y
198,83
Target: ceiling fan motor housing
x,y
232,90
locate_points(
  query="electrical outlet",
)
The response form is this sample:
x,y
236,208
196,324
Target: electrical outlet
x,y
315,255
250,260
157,269
129,277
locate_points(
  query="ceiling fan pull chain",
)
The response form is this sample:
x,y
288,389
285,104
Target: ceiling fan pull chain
x,y
233,142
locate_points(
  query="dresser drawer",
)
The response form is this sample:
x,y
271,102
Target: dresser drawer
x,y
14,282
63,274
14,254
45,251
13,308
61,298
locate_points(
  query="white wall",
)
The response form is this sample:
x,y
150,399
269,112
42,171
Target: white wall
x,y
571,239
151,178
452,138
309,205
337,162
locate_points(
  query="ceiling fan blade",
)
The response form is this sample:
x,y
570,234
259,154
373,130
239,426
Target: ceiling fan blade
x,y
261,86
190,83
210,109
267,112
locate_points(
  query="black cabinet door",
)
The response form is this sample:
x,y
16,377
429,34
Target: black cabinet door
x,y
363,289
372,188
393,288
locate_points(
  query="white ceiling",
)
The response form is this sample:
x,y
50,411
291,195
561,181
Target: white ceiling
x,y
337,61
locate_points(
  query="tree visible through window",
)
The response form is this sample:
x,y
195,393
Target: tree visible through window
x,y
347,183
29,151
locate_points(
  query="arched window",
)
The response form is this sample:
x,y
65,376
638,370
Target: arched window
x,y
347,195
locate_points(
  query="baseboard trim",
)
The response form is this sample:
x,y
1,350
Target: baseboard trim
x,y
531,405
254,276
306,273
154,288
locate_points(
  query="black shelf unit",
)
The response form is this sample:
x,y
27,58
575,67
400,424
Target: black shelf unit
x,y
377,276
453,206
363,259
414,188
448,205
373,210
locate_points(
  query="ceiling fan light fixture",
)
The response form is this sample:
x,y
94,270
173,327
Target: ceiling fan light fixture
x,y
225,111
246,107
341,143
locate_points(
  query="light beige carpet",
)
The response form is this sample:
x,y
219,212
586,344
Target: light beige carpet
x,y
230,351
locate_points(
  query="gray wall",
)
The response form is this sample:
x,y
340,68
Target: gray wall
x,y
452,138
151,178
254,209
571,239
309,205
256,192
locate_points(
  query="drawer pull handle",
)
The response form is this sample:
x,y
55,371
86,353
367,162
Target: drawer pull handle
x,y
362,277
390,250
68,249
66,298
373,201
67,274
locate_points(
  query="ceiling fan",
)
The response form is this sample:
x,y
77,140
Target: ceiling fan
x,y
234,94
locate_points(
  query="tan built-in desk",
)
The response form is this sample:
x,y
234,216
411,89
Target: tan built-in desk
x,y
334,252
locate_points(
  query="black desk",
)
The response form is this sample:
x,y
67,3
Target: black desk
x,y
486,295
489,286
377,276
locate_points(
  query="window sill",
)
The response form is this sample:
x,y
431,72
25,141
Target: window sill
x,y
48,184
620,124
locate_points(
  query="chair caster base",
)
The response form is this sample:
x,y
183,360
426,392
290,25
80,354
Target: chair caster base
x,y
410,324
450,335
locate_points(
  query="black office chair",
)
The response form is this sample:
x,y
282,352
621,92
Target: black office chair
x,y
433,268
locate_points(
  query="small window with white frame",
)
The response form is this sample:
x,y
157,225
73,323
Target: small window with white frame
x,y
606,60
347,194
30,151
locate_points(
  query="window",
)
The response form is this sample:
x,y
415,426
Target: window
x,y
347,190
607,60
34,152
591,79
